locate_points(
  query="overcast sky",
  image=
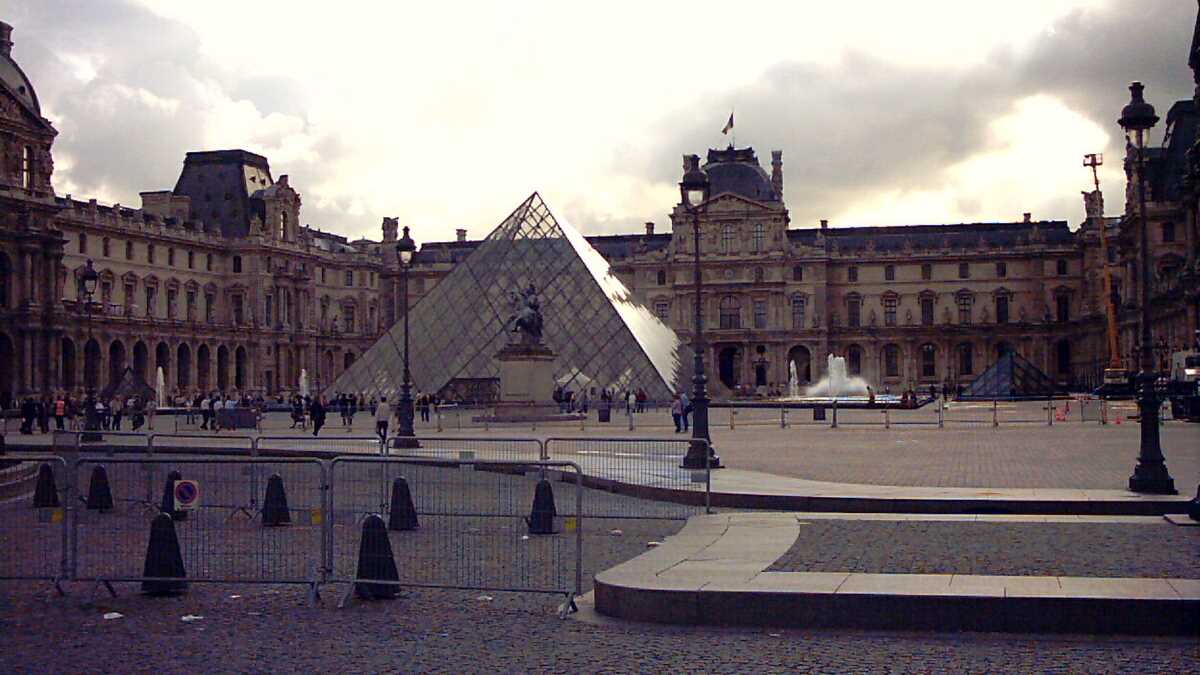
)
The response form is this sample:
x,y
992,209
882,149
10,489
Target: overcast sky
x,y
447,114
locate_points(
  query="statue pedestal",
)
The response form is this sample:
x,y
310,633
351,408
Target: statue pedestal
x,y
526,386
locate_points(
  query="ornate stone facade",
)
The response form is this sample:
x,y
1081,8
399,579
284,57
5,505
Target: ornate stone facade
x,y
218,283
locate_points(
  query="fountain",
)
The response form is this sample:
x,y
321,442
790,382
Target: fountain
x,y
793,380
160,388
304,382
836,383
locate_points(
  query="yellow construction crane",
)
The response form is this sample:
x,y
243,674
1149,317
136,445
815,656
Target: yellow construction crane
x,y
1116,378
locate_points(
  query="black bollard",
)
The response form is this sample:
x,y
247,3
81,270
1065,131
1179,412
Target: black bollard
x,y
1194,506
541,518
403,514
275,506
375,561
99,494
168,500
163,559
46,493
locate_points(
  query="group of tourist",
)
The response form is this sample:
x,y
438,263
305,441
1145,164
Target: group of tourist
x,y
70,414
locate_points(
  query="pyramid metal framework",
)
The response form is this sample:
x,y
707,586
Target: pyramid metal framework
x,y
602,336
1011,377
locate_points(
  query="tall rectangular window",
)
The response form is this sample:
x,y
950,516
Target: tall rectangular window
x,y
854,312
926,272
1168,232
1062,303
760,313
237,264
238,310
727,239
852,273
799,305
349,277
890,303
926,311
172,296
105,247
210,301
129,250
662,309
756,241
208,262
1001,309
150,253
964,308
191,259
889,272
83,243
964,271
798,273
27,167
891,361
171,257
1061,267
1001,270
151,298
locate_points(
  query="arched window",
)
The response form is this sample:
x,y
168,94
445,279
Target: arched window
x,y
756,242
799,305
731,312
928,361
727,239
891,361
966,361
854,359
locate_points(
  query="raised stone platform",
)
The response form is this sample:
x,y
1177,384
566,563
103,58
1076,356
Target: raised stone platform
x,y
714,572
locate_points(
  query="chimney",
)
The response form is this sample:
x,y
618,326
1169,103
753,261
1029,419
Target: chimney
x,y
1029,217
6,39
824,224
650,229
691,162
777,173
283,181
460,234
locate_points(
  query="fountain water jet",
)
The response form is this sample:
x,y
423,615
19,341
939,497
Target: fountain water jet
x,y
836,382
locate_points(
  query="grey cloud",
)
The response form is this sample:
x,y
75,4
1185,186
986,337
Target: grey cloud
x,y
863,126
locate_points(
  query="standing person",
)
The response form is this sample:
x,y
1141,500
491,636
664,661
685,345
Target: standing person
x,y
383,412
44,414
28,412
316,410
677,413
351,408
69,411
426,402
118,409
686,404
630,403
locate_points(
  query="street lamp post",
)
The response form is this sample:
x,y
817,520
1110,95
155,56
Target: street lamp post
x,y
405,437
1150,475
91,421
700,455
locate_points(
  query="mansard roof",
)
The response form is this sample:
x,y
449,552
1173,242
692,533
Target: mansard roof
x,y
965,235
221,185
737,170
1167,165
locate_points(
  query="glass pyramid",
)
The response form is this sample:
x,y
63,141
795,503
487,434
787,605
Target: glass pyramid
x,y
1011,377
602,336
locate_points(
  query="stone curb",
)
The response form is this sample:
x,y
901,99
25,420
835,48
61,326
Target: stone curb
x,y
711,573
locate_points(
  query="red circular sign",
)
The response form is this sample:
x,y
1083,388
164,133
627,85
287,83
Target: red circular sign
x,y
186,491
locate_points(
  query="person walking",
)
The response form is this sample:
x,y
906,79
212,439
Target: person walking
x,y
118,408
383,412
630,403
316,410
44,414
686,404
677,413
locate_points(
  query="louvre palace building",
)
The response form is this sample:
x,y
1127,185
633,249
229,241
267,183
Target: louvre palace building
x,y
219,283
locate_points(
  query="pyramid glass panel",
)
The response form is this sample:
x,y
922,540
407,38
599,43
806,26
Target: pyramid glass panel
x,y
601,335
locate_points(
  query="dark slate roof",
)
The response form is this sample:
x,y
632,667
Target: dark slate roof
x,y
611,246
444,252
737,170
965,235
1168,165
221,183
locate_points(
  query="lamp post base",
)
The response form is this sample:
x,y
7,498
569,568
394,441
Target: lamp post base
x,y
696,457
405,442
1152,479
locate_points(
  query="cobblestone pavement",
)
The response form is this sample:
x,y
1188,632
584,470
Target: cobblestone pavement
x,y
455,631
1152,549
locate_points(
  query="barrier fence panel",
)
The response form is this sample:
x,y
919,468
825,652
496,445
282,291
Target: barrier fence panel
x,y
331,444
33,524
973,413
472,531
225,442
115,441
488,447
649,469
224,538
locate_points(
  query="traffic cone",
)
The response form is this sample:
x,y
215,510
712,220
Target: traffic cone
x,y
375,561
275,506
163,559
99,494
168,499
403,514
541,518
46,493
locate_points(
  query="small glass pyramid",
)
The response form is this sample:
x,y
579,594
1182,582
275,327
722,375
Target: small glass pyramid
x,y
602,337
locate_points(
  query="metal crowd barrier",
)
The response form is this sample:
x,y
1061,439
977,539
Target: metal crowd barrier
x,y
35,541
649,469
472,530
